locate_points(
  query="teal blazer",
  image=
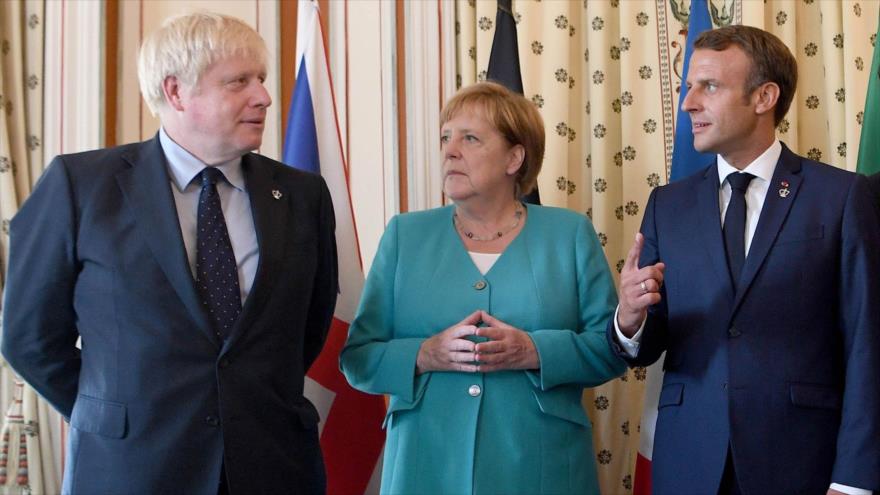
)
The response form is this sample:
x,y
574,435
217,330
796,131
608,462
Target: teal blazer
x,y
505,432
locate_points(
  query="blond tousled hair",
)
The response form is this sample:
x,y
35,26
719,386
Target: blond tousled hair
x,y
185,46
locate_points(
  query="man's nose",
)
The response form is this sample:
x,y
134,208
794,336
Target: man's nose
x,y
689,103
261,96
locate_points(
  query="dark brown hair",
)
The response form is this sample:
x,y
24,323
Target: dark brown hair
x,y
772,61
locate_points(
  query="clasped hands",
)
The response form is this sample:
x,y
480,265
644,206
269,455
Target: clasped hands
x,y
508,348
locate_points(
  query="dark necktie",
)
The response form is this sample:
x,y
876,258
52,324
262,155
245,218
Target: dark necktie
x,y
735,224
216,270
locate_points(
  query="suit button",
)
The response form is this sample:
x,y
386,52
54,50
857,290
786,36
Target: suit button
x,y
212,421
224,363
733,332
474,390
480,285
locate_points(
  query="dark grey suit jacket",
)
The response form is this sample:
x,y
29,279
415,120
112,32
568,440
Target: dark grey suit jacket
x,y
156,402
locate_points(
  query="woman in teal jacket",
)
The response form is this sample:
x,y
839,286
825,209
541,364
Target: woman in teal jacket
x,y
484,320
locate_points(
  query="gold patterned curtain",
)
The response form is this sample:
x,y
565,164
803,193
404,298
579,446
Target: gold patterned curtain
x,y
605,75
27,462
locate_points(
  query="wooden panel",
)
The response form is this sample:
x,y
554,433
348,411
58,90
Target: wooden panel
x,y
288,18
111,69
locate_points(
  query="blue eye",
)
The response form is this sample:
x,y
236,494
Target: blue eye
x,y
444,139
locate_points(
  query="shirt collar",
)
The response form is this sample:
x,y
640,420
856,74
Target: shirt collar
x,y
184,167
762,167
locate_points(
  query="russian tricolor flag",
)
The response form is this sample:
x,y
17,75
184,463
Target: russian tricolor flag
x,y
351,434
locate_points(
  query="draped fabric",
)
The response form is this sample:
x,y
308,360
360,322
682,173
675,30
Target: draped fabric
x,y
605,76
27,464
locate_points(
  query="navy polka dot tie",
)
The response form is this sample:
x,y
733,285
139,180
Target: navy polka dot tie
x,y
216,270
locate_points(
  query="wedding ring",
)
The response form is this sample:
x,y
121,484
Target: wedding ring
x,y
644,287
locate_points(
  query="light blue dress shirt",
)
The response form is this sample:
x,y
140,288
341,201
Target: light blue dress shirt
x,y
183,168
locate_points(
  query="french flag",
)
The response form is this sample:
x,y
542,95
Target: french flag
x,y
350,428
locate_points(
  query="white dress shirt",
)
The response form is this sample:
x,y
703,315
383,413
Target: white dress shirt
x,y
183,168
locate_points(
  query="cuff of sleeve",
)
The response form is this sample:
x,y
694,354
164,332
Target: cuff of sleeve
x,y
849,490
534,376
399,366
630,345
551,348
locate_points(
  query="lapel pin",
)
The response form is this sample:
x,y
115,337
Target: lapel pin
x,y
785,191
277,194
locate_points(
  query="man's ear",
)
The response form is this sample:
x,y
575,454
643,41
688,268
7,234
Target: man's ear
x,y
517,156
766,97
172,88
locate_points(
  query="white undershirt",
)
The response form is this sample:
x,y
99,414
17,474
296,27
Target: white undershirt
x,y
484,261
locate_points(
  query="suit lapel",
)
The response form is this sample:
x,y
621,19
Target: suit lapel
x,y
269,206
773,215
146,188
710,227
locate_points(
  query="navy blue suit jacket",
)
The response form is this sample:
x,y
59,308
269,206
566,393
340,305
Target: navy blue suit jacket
x,y
156,402
874,180
786,370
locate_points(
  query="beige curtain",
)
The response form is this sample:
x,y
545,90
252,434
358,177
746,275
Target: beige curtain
x,y
27,462
605,75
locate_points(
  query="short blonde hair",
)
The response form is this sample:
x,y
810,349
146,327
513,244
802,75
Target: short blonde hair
x,y
185,46
515,117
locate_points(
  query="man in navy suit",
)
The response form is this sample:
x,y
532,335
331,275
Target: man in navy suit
x,y
759,276
200,277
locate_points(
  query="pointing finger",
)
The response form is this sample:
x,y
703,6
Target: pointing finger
x,y
632,257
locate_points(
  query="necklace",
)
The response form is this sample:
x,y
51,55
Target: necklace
x,y
517,215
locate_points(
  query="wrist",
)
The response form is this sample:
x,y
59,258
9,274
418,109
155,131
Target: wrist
x,y
422,360
628,323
